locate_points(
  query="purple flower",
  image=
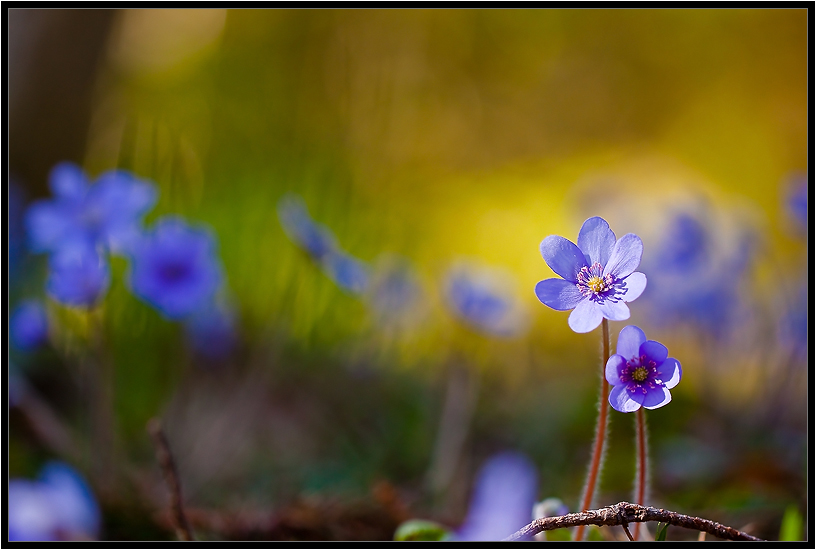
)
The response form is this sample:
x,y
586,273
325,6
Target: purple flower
x,y
28,325
78,275
797,200
598,275
316,239
174,268
641,372
502,499
57,506
480,297
106,213
395,293
347,272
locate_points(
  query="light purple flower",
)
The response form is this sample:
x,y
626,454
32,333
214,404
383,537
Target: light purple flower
x,y
597,276
106,213
78,275
28,325
502,499
641,372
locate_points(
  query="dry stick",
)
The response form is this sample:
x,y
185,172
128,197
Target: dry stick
x,y
600,433
625,513
642,467
168,467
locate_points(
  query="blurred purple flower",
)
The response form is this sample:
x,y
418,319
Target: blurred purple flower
x,y
479,296
797,200
78,275
174,267
107,213
395,293
347,272
316,239
502,499
57,506
211,332
597,276
641,372
792,327
28,325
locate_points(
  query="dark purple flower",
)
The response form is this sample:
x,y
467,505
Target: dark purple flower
x,y
78,275
480,296
641,372
316,239
57,506
28,325
502,499
211,332
106,213
598,275
174,268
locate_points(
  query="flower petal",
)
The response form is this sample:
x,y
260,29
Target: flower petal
x,y
629,341
614,311
655,351
596,240
613,368
563,257
671,372
585,317
558,294
623,401
635,285
625,256
656,398
67,181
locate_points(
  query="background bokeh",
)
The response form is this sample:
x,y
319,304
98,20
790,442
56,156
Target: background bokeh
x,y
432,140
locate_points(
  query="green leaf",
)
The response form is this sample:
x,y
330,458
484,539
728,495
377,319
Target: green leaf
x,y
421,529
791,524
662,528
559,535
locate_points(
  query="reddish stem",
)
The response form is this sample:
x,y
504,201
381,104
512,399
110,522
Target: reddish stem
x,y
600,434
640,482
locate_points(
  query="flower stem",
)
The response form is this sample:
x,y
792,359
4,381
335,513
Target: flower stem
x,y
600,435
642,465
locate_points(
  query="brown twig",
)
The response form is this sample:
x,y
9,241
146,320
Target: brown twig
x,y
624,513
168,466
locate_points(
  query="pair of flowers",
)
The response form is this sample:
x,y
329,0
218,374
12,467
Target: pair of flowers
x,y
598,278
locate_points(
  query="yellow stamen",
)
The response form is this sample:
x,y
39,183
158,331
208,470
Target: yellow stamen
x,y
640,374
596,284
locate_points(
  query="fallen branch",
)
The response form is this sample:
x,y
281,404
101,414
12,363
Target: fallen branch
x,y
625,513
168,466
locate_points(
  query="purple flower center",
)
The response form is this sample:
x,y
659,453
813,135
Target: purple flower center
x,y
173,272
640,373
593,284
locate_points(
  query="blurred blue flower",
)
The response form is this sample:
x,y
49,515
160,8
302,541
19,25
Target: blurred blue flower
x,y
797,200
78,275
211,332
347,272
597,277
695,278
107,213
57,506
481,298
28,325
502,499
395,294
316,239
792,327
174,267
641,372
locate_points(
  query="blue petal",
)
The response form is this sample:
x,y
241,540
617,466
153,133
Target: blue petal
x,y
625,256
613,368
671,372
655,351
629,341
656,398
614,311
635,285
67,181
623,401
596,240
558,294
563,257
585,317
